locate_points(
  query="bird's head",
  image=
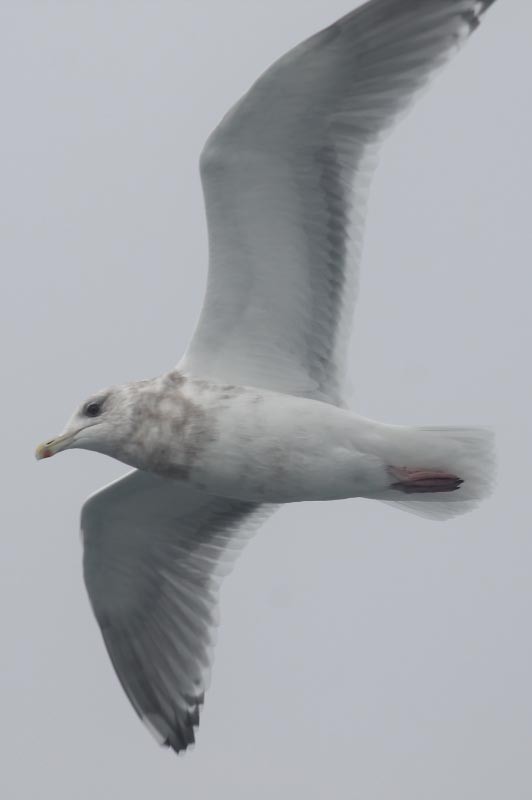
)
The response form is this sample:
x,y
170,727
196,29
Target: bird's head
x,y
98,424
133,422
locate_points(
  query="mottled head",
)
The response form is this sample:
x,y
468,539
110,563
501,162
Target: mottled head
x,y
148,424
99,424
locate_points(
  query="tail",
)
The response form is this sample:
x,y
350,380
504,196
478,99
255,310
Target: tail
x,y
468,453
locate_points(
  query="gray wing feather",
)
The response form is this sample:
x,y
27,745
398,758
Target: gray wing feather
x,y
154,555
286,176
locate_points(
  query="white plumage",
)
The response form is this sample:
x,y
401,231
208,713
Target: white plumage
x,y
254,414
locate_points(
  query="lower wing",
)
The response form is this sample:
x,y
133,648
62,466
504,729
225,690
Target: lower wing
x,y
154,555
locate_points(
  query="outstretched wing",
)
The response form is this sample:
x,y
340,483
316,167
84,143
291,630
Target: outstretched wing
x,y
285,177
154,555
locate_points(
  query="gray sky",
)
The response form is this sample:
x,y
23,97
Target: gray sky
x,y
363,653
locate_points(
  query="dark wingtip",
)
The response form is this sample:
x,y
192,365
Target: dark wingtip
x,y
180,744
183,737
181,740
474,16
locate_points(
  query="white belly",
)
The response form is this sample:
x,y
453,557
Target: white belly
x,y
269,447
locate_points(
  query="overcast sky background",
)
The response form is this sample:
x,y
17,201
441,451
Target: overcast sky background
x,y
363,653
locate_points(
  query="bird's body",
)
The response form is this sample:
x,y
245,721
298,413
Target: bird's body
x,y
260,446
252,444
255,412
248,443
267,448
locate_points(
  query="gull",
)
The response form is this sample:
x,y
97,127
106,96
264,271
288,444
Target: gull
x,y
255,413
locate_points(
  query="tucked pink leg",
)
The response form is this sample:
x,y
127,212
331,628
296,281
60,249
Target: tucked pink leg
x,y
423,480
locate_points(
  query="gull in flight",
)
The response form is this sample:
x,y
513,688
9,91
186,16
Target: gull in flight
x,y
254,414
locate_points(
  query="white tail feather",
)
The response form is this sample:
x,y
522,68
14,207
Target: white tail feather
x,y
468,453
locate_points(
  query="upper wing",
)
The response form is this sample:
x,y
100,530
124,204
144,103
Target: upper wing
x,y
285,177
154,554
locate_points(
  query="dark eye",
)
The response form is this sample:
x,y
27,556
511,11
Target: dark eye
x,y
92,410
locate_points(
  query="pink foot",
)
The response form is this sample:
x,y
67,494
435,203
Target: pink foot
x,y
423,480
